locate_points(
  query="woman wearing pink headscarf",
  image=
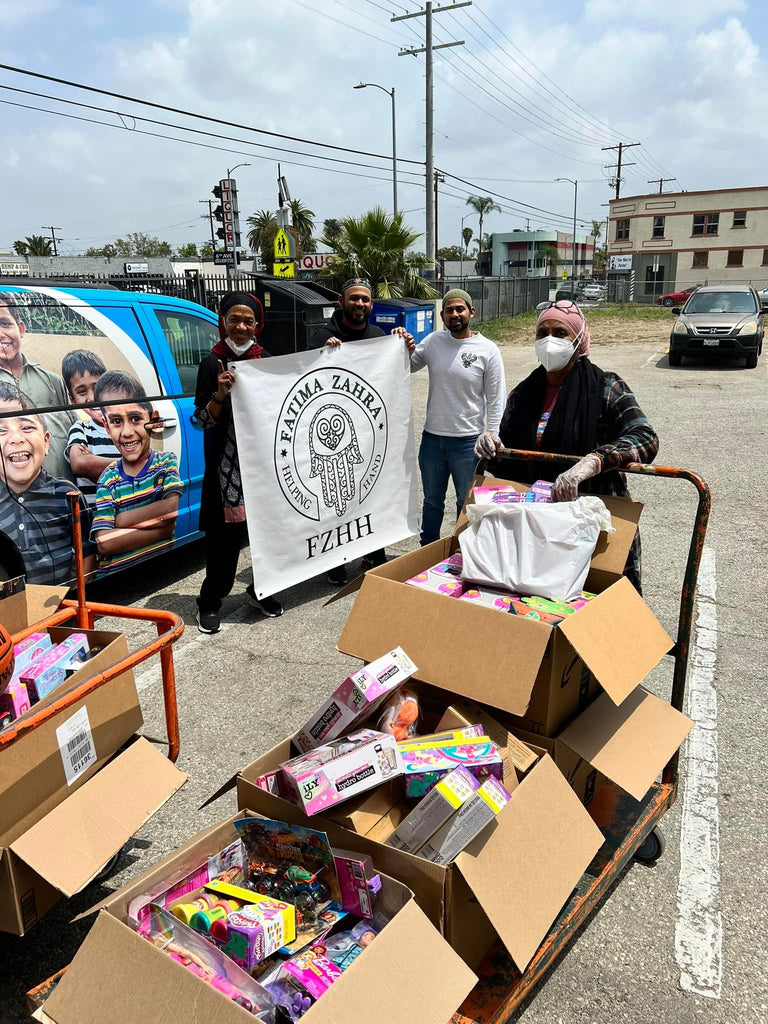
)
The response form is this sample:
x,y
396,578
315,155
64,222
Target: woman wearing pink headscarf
x,y
572,407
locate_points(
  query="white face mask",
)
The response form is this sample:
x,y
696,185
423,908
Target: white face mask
x,y
554,353
240,349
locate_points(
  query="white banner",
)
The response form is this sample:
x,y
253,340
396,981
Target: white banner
x,y
327,456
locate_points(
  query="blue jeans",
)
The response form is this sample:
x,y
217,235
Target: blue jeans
x,y
439,458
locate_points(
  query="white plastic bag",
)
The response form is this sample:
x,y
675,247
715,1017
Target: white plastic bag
x,y
541,549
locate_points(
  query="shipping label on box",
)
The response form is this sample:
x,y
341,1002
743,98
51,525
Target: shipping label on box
x,y
359,695
341,769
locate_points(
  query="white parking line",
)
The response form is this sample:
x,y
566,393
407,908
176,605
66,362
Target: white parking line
x,y
190,650
699,928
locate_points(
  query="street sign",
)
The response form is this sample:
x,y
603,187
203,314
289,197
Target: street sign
x,y
136,268
284,246
223,259
283,269
565,275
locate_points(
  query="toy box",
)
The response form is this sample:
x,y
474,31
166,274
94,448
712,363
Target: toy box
x,y
466,823
342,769
258,930
440,583
358,881
431,813
359,695
27,651
50,670
14,700
488,596
425,764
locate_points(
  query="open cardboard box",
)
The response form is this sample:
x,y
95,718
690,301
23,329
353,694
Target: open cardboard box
x,y
66,848
512,881
407,974
543,675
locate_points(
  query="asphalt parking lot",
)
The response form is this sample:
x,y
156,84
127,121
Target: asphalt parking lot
x,y
249,686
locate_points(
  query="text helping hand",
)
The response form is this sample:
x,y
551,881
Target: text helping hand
x,y
225,381
487,445
410,344
566,486
333,342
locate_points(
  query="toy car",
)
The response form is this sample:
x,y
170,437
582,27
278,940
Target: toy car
x,y
293,884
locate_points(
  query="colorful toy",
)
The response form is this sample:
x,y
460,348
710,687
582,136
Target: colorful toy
x,y
48,671
425,764
358,881
14,702
400,715
431,813
466,823
293,883
29,650
358,696
257,931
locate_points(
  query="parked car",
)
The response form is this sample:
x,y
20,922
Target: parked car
x,y
718,321
676,298
159,340
593,292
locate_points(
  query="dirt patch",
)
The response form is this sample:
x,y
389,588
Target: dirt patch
x,y
605,328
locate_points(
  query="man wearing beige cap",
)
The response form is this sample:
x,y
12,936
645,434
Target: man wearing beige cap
x,y
467,391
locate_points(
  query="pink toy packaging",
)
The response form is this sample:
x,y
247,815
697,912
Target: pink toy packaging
x,y
14,700
357,697
29,650
342,769
47,672
440,583
501,600
358,882
425,765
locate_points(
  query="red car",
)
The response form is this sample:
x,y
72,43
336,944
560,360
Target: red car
x,y
676,298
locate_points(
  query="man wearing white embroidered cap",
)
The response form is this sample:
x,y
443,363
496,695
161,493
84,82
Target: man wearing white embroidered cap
x,y
466,396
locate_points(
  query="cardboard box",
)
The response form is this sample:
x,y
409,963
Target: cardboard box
x,y
468,823
516,756
511,882
541,674
629,744
65,849
97,987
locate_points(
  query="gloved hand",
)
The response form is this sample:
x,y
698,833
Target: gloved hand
x,y
486,445
566,486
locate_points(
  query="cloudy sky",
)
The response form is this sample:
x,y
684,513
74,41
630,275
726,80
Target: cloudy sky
x,y
534,94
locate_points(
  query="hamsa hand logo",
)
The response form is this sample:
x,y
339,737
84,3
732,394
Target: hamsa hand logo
x,y
334,452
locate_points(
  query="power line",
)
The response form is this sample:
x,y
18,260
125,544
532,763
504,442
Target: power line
x,y
200,117
508,199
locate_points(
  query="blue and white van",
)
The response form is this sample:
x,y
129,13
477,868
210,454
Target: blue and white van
x,y
159,341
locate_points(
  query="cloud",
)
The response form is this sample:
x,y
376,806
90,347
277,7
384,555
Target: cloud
x,y
687,13
15,12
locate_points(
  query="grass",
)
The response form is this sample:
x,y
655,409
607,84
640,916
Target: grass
x,y
518,328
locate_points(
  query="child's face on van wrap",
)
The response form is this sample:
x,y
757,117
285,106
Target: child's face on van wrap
x,y
24,443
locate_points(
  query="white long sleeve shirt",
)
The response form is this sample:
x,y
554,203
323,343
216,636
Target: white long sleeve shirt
x,y
467,387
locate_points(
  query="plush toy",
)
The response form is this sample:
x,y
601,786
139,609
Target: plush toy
x,y
400,715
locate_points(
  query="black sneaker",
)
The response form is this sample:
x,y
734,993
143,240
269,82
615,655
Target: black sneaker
x,y
208,622
337,576
375,558
268,606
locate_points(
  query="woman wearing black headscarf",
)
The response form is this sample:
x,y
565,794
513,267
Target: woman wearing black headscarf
x,y
222,510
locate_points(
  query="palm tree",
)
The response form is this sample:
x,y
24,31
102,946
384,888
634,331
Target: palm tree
x,y
466,234
376,246
303,223
482,205
261,237
551,255
33,245
331,228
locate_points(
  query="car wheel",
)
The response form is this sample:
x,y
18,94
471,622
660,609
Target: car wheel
x,y
751,360
669,301
675,359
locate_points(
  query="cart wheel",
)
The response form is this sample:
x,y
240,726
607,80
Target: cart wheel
x,y
651,847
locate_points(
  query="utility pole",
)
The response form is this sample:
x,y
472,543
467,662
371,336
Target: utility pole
x,y
52,229
209,217
427,50
438,178
621,146
653,181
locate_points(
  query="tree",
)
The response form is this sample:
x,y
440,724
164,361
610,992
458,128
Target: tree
x,y
137,243
303,224
261,237
597,229
482,205
331,228
206,251
449,252
108,251
376,246
466,234
33,245
550,254
598,259
188,251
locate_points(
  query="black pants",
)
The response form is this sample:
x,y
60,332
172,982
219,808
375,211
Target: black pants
x,y
223,545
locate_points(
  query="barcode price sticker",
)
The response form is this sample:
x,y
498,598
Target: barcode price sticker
x,y
76,745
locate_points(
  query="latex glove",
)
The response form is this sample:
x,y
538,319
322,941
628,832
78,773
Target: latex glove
x,y
487,444
566,486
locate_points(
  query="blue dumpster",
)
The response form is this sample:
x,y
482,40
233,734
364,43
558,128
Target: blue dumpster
x,y
415,315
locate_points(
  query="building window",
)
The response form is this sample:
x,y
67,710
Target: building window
x,y
705,223
765,258
739,218
701,259
658,227
735,258
622,230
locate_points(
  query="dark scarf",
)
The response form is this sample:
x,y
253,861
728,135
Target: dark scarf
x,y
573,424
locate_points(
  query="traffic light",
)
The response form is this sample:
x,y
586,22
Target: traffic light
x,y
221,233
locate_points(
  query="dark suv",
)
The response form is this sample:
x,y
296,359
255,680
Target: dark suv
x,y
718,320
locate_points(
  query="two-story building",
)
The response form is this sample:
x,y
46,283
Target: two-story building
x,y
677,239
541,254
